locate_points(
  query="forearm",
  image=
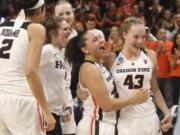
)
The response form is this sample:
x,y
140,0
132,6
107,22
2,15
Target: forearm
x,y
119,103
37,90
160,102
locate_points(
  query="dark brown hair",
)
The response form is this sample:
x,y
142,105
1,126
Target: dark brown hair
x,y
52,25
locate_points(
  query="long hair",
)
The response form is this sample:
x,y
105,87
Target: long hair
x,y
73,52
175,46
52,25
126,25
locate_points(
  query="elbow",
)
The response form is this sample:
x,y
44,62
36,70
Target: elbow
x,y
29,72
107,108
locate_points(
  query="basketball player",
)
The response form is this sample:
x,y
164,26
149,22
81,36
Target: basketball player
x,y
52,70
136,68
21,42
85,51
64,9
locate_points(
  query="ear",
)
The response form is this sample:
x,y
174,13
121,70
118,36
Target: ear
x,y
53,34
85,50
124,34
38,11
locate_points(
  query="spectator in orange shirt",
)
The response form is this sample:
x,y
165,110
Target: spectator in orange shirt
x,y
163,48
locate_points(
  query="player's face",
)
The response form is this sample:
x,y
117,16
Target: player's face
x,y
101,39
135,37
63,33
93,43
65,11
41,16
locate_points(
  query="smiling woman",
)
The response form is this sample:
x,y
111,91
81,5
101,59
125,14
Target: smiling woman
x,y
142,76
64,9
21,41
52,70
99,115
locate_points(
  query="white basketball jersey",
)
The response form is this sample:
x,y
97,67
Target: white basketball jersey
x,y
13,51
129,75
91,109
53,75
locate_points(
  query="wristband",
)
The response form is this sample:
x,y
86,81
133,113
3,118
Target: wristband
x,y
68,109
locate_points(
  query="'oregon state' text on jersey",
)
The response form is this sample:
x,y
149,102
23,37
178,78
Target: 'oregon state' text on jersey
x,y
130,75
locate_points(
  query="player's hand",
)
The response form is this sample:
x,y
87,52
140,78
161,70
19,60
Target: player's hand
x,y
139,96
50,121
65,116
81,94
166,123
108,57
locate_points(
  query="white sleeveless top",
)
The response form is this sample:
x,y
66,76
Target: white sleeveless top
x,y
53,75
13,52
129,75
91,109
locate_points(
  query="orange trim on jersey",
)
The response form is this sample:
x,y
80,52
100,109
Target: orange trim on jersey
x,y
94,117
40,118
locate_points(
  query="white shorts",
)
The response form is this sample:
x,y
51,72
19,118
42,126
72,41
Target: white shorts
x,y
85,127
149,125
18,115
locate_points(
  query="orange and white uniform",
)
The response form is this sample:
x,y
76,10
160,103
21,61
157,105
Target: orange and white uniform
x,y
95,121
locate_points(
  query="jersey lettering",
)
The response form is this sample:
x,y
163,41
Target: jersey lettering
x,y
59,64
10,33
8,44
130,83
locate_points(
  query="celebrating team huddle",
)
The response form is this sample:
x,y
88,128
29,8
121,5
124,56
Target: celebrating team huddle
x,y
119,93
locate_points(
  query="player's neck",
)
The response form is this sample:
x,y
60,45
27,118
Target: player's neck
x,y
131,54
31,19
90,58
56,45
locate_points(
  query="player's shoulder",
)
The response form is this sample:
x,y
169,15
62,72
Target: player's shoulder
x,y
118,60
47,49
89,67
36,26
36,29
151,53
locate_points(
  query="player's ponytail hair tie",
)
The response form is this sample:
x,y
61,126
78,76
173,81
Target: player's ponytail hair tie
x,y
21,15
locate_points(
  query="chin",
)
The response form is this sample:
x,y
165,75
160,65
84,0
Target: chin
x,y
137,47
